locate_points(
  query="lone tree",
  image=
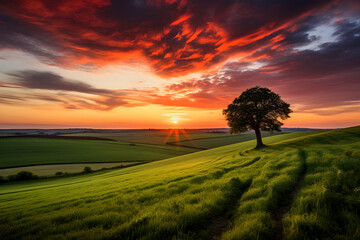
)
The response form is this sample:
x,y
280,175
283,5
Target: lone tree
x,y
258,109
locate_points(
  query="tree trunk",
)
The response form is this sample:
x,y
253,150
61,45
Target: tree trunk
x,y
258,138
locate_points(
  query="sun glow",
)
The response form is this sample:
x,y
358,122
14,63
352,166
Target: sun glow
x,y
174,118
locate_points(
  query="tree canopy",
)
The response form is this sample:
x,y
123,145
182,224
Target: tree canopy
x,y
257,109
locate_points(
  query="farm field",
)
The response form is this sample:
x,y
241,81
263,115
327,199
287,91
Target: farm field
x,y
178,137
43,155
160,137
230,192
36,151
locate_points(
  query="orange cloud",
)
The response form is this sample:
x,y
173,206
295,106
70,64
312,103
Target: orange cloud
x,y
172,37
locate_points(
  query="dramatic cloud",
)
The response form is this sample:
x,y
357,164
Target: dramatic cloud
x,y
173,37
314,80
308,51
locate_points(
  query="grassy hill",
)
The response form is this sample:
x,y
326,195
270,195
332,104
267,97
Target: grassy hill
x,y
231,192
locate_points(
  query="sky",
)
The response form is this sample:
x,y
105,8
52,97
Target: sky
x,y
175,64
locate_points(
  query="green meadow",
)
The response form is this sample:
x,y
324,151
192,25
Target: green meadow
x,y
230,192
37,151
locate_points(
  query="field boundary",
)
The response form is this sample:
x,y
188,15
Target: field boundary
x,y
35,165
68,175
189,140
179,145
235,135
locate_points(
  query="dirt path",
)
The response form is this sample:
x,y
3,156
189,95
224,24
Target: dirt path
x,y
285,207
218,226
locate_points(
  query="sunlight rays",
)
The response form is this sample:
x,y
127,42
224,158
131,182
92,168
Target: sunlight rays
x,y
176,133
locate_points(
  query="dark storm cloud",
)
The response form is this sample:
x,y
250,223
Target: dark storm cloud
x,y
332,58
241,18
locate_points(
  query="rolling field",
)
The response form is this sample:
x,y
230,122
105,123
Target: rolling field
x,y
37,151
231,192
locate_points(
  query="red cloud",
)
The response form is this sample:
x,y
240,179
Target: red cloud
x,y
180,37
173,37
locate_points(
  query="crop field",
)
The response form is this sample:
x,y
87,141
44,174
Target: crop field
x,y
160,137
36,151
178,137
46,155
231,192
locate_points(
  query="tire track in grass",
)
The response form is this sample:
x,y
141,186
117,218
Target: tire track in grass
x,y
218,225
219,222
285,205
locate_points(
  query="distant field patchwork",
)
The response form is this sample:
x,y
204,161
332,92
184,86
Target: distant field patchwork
x,y
154,137
179,137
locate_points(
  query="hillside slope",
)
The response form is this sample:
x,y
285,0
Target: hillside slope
x,y
186,197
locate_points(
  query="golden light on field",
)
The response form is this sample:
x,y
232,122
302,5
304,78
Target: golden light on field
x,y
176,133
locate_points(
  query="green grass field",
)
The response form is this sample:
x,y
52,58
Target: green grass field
x,y
37,151
187,196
